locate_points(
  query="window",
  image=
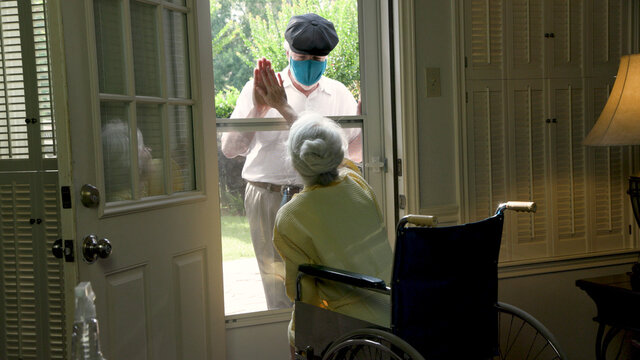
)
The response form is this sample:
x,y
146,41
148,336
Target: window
x,y
145,98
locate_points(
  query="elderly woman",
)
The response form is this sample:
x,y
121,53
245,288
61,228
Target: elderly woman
x,y
334,221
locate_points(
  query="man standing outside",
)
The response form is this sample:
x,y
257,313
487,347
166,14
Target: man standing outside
x,y
309,39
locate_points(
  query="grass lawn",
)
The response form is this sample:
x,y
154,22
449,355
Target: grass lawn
x,y
236,238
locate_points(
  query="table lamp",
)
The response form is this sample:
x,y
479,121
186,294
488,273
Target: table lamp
x,y
619,122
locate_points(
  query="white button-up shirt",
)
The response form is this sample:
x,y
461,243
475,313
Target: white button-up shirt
x,y
266,158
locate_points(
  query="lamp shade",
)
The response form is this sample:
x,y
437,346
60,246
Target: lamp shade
x,y
619,122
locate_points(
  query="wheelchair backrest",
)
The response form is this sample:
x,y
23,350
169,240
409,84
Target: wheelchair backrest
x,y
445,287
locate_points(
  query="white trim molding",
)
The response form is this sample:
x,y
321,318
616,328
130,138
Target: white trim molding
x,y
407,109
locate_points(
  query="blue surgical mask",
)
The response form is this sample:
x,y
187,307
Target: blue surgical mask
x,y
307,72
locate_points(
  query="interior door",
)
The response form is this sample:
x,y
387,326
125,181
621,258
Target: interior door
x,y
142,132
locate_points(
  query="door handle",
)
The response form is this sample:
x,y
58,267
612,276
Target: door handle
x,y
92,248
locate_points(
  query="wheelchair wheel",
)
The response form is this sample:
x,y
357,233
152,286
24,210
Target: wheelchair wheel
x,y
521,336
371,344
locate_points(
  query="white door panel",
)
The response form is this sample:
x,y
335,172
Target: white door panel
x,y
159,293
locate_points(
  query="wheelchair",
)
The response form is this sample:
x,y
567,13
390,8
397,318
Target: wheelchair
x,y
443,296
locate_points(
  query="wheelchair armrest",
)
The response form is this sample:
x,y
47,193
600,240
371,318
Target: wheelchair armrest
x,y
341,276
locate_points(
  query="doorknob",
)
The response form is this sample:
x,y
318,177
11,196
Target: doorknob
x,y
92,248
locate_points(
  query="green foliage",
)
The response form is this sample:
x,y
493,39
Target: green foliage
x,y
226,101
244,31
236,238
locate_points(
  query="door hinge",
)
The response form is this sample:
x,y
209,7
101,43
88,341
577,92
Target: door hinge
x,y
398,169
402,202
466,97
465,62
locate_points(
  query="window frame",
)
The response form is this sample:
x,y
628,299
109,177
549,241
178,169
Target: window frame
x,y
131,99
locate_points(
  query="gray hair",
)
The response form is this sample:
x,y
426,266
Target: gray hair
x,y
316,147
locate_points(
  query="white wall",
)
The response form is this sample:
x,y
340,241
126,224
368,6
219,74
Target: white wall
x,y
566,310
436,121
264,342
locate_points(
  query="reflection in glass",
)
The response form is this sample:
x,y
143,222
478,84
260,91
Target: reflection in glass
x,y
181,148
177,57
109,46
144,33
149,120
116,151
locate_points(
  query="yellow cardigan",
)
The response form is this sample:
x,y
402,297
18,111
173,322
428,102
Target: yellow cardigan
x,y
339,225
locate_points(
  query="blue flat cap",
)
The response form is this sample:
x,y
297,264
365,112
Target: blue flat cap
x,y
311,34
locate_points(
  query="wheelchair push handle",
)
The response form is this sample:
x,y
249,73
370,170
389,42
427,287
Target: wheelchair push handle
x,y
422,220
521,206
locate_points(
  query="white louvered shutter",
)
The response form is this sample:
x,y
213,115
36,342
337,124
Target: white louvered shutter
x,y
32,282
485,43
532,232
569,171
526,40
31,288
609,43
488,148
47,137
19,338
13,129
565,20
548,82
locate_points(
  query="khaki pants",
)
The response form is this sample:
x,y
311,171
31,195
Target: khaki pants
x,y
261,206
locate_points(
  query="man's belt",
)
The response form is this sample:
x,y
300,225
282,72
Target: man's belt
x,y
292,189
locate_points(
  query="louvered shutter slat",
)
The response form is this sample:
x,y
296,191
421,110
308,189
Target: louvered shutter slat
x,y
485,46
487,115
570,170
530,128
526,53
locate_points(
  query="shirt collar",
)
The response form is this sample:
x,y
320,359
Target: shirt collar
x,y
287,82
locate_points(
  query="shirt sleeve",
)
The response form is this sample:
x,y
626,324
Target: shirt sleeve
x,y
293,256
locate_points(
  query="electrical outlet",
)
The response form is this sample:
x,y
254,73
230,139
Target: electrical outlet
x,y
432,76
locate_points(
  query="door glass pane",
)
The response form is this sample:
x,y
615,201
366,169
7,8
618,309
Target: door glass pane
x,y
247,249
177,56
151,149
110,45
181,148
116,151
145,49
244,33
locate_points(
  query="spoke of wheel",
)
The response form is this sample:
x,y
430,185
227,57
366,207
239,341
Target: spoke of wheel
x,y
533,342
515,339
546,345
